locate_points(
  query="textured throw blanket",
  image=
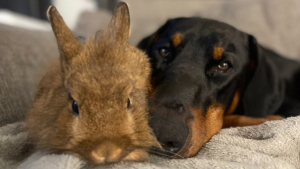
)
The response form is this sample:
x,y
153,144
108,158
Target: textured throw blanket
x,y
274,144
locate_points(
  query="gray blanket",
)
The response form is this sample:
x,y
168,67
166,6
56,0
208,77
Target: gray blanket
x,y
274,144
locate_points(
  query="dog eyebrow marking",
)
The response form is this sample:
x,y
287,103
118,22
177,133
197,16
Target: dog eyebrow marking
x,y
176,39
218,52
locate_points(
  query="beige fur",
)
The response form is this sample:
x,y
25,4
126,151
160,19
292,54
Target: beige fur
x,y
100,76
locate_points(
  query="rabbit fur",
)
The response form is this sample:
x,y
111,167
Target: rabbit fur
x,y
109,80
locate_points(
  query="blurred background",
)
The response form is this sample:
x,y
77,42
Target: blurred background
x,y
275,23
70,9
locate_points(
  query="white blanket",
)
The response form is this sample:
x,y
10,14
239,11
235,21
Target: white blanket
x,y
275,144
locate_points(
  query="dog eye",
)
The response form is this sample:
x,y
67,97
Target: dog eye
x,y
223,67
128,104
164,52
75,108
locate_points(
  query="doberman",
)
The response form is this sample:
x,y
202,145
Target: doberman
x,y
208,75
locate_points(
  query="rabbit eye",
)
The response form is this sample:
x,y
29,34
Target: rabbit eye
x,y
128,104
75,108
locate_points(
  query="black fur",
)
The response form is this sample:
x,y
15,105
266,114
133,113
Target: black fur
x,y
268,83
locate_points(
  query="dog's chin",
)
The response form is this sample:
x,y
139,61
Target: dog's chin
x,y
166,154
186,152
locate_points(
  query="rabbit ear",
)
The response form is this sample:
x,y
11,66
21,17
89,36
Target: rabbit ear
x,y
68,44
119,25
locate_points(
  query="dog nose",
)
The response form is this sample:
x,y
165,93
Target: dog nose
x,y
172,142
171,146
171,133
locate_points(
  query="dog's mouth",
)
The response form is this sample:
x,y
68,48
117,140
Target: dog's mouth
x,y
200,130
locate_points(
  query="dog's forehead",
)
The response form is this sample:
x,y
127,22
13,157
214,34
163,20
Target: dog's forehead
x,y
199,25
200,29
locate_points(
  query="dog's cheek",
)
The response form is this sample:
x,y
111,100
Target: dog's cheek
x,y
202,128
197,134
214,120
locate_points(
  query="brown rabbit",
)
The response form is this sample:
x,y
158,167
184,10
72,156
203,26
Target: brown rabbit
x,y
93,102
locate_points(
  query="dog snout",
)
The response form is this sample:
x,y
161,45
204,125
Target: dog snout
x,y
169,125
173,139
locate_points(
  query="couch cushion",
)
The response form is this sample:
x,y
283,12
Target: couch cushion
x,y
90,22
24,57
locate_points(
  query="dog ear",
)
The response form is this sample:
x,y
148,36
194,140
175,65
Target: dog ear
x,y
67,42
146,43
264,92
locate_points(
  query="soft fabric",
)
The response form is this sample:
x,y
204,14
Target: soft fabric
x,y
274,144
13,145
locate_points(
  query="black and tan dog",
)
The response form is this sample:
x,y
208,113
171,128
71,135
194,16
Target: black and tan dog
x,y
208,75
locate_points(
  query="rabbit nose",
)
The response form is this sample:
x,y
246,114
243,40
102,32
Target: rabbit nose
x,y
99,158
107,153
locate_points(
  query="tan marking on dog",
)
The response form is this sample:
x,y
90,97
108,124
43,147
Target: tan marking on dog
x,y
202,129
241,120
234,103
176,39
218,52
